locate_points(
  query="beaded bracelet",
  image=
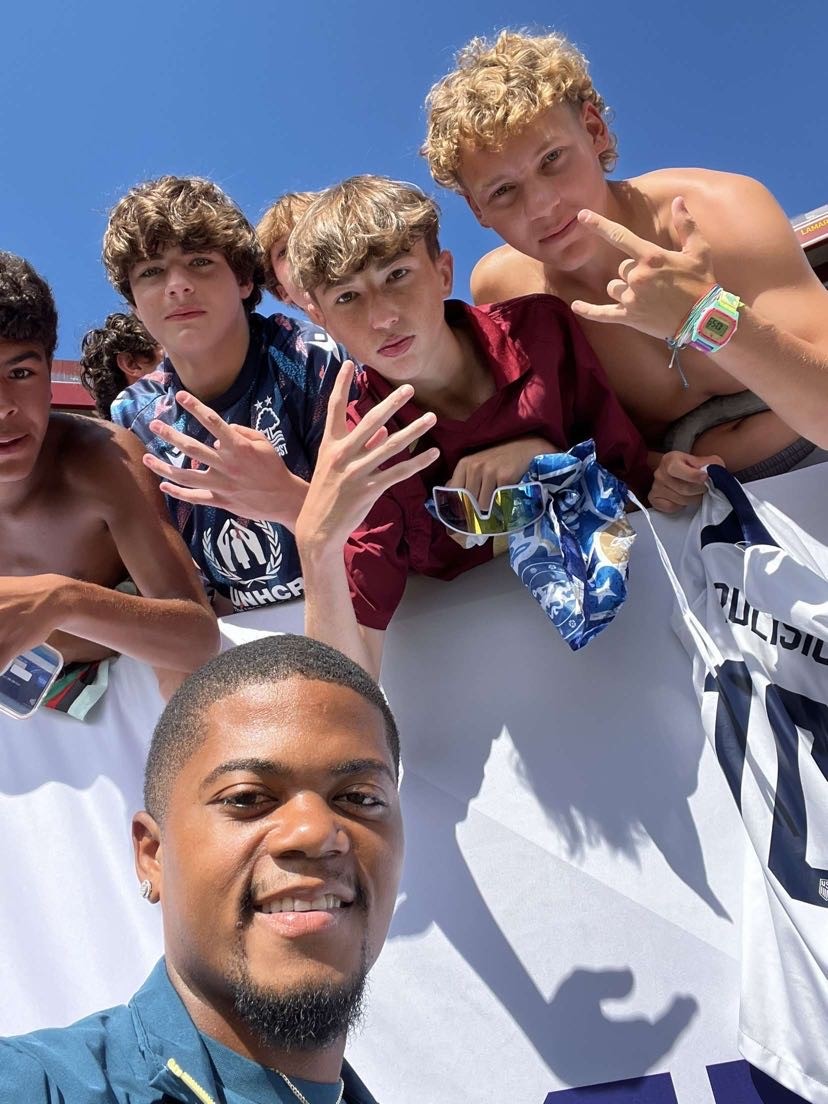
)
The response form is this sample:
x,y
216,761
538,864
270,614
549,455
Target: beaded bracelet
x,y
708,327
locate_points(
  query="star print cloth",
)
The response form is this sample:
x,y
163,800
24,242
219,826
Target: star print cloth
x,y
282,390
574,559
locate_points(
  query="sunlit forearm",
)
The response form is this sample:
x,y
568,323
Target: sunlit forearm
x,y
329,612
164,632
790,374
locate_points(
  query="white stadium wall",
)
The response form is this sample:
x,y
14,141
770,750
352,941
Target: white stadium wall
x,y
570,907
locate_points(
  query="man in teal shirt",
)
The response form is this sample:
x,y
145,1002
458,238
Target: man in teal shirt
x,y
272,839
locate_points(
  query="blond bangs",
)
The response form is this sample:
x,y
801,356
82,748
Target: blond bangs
x,y
364,220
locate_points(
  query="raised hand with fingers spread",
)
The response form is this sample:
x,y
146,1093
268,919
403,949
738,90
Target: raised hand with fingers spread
x,y
241,472
349,475
349,478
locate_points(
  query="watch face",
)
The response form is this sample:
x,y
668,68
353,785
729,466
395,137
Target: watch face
x,y
716,326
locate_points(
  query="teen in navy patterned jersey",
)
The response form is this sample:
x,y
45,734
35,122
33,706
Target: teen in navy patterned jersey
x,y
233,418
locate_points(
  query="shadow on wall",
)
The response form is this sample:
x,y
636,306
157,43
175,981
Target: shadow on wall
x,y
611,762
570,1031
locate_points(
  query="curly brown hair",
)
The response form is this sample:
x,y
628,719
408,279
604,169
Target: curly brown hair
x,y
189,212
27,306
497,89
363,220
99,371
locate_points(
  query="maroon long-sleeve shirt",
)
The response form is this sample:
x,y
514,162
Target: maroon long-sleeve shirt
x,y
548,383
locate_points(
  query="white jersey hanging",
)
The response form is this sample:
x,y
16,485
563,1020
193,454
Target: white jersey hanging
x,y
755,620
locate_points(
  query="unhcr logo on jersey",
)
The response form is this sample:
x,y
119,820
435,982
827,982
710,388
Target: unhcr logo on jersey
x,y
739,612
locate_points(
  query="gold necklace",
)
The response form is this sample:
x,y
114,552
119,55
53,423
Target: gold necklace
x,y
300,1096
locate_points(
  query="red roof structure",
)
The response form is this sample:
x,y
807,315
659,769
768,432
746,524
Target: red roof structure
x,y
812,231
68,393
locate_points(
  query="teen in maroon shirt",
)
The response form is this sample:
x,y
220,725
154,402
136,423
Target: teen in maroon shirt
x,y
498,384
547,384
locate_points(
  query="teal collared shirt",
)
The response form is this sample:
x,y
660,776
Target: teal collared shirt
x,y
144,1052
247,1082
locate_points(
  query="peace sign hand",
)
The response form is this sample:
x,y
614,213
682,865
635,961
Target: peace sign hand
x,y
655,288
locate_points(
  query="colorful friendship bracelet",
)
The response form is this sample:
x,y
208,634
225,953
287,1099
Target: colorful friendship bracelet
x,y
708,327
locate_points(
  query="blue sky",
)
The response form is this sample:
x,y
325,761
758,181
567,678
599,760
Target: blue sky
x,y
267,97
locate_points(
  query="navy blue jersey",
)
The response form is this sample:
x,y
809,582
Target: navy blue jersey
x,y
282,390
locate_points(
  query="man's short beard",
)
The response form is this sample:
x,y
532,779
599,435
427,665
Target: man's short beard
x,y
308,1018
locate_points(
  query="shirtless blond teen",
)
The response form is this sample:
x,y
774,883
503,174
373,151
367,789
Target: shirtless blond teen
x,y
632,257
80,513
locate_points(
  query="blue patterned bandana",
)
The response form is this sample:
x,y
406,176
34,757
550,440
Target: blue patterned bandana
x,y
574,559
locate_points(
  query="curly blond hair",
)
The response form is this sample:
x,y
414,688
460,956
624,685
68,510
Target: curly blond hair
x,y
363,220
278,222
185,211
497,89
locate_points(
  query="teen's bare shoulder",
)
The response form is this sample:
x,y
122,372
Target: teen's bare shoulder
x,y
95,457
753,247
665,184
733,211
505,274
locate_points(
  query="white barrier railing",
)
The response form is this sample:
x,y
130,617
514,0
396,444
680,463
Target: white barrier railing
x,y
570,900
